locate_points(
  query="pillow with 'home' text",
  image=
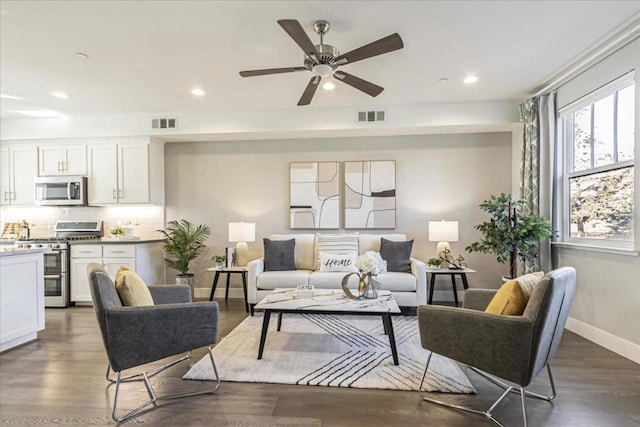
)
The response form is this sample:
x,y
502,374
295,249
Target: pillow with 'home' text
x,y
334,262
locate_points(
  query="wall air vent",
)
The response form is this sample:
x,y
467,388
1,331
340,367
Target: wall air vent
x,y
164,123
371,116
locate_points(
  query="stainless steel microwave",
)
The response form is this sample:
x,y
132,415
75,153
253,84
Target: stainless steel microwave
x,y
61,191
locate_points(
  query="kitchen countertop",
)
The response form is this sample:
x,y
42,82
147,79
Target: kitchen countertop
x,y
21,251
103,241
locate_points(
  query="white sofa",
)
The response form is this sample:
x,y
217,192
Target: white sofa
x,y
409,289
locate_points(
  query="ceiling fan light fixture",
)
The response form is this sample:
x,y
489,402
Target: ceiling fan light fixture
x,y
329,85
60,95
470,79
322,70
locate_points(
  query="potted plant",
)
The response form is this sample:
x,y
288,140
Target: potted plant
x,y
219,260
434,263
510,233
183,243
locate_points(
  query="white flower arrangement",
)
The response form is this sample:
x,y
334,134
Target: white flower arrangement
x,y
371,263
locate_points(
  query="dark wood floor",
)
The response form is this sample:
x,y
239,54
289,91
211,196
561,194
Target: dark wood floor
x,y
59,380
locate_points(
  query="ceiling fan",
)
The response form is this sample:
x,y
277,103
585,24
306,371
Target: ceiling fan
x,y
323,60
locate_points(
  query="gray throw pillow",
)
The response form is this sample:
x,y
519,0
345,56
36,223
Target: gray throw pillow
x,y
397,255
278,255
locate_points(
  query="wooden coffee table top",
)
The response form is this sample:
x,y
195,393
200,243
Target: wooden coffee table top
x,y
327,300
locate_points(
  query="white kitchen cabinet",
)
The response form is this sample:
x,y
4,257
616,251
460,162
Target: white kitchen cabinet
x,y
145,258
18,169
62,160
80,279
103,174
126,173
112,265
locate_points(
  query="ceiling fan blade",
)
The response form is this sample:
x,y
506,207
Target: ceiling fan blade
x,y
360,84
253,73
310,90
378,47
297,33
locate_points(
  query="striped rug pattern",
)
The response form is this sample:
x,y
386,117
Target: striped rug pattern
x,y
332,351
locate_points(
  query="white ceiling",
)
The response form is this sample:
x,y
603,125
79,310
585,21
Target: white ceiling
x,y
145,56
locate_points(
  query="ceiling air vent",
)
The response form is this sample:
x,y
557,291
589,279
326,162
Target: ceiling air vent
x,y
371,116
164,123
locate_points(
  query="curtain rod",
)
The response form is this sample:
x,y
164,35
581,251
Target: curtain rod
x,y
625,37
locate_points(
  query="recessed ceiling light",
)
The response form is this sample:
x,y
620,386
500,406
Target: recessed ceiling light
x,y
5,96
81,55
329,86
60,95
40,113
470,79
443,80
197,92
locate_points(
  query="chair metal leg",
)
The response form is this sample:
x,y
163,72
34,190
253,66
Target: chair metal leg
x,y
150,372
486,413
152,395
500,383
507,389
524,405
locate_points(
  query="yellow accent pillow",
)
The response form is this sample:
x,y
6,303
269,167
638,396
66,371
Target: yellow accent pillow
x,y
528,281
509,300
132,289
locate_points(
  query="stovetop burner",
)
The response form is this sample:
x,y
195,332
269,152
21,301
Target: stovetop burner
x,y
57,239
66,231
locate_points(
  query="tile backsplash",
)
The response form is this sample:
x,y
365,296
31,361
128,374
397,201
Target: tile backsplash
x,y
145,220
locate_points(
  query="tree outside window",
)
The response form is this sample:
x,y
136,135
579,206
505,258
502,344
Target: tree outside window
x,y
600,167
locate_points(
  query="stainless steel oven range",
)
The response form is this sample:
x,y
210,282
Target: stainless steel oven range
x,y
56,261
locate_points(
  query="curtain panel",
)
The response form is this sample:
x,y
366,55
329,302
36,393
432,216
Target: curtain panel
x,y
538,116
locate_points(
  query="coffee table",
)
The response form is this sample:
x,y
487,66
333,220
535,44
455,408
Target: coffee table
x,y
328,301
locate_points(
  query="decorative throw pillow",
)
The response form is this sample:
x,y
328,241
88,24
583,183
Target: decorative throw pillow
x,y
528,281
510,300
397,255
336,244
278,254
131,288
333,262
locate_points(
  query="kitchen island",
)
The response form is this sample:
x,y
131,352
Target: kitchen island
x,y
21,296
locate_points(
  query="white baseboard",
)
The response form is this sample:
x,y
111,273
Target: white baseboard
x,y
609,341
220,290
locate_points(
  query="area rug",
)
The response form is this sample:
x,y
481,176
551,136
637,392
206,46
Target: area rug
x,y
330,350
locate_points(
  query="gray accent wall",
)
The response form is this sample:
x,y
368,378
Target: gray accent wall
x,y
606,308
438,177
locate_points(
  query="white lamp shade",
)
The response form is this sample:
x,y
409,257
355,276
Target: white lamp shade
x,y
443,231
242,231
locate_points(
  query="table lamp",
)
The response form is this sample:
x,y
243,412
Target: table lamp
x,y
443,232
242,232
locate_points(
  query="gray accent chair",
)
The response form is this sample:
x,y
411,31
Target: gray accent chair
x,y
134,336
499,347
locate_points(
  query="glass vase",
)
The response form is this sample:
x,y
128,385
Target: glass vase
x,y
367,287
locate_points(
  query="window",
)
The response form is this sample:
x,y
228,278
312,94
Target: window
x,y
598,134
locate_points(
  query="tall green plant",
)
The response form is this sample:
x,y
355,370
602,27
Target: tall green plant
x,y
184,242
510,233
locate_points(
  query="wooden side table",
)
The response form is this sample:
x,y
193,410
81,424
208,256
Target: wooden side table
x,y
229,271
462,272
